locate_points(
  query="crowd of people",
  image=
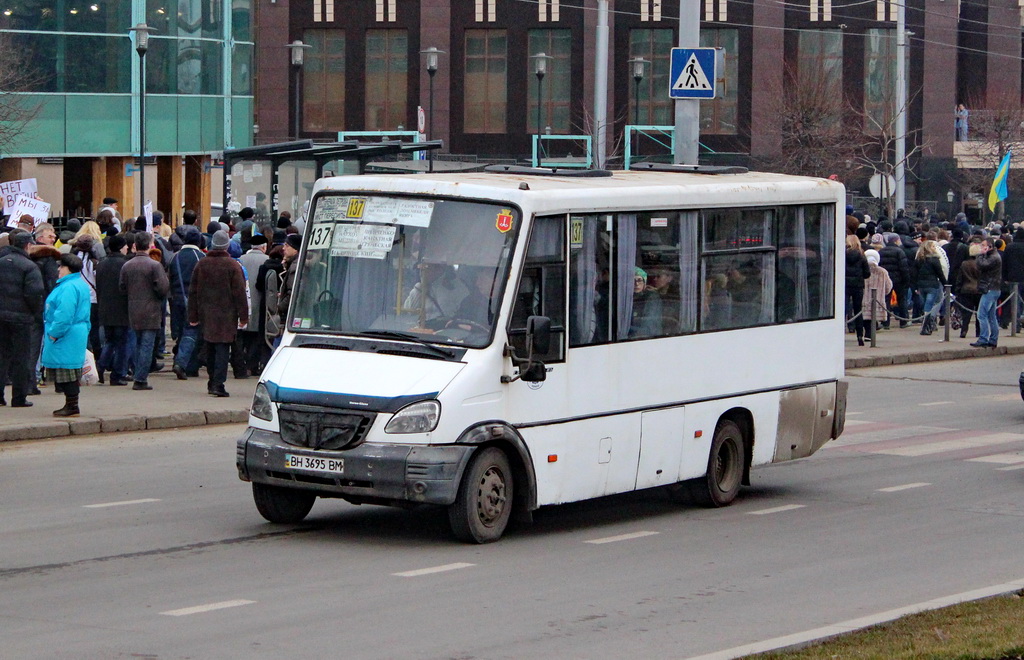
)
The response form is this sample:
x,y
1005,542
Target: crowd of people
x,y
904,264
113,287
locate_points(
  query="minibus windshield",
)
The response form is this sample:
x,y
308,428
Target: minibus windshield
x,y
427,267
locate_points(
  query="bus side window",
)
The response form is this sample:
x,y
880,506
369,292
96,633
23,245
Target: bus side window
x,y
541,289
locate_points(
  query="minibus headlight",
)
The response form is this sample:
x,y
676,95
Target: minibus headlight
x,y
420,417
261,406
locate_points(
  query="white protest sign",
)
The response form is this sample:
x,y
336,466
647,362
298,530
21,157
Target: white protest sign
x,y
11,189
38,209
147,210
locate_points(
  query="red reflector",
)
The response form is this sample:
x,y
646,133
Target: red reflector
x,y
552,458
698,434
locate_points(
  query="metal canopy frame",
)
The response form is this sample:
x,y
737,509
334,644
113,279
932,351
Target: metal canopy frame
x,y
282,153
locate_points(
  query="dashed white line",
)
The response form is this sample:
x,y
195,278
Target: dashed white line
x,y
896,489
936,403
434,569
621,537
104,505
777,509
209,607
1004,459
1011,467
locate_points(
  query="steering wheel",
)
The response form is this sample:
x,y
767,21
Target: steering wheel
x,y
462,323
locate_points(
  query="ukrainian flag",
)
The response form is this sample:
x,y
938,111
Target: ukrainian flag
x,y
998,192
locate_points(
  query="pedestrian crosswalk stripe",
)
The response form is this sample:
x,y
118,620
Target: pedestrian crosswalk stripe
x,y
1004,459
929,448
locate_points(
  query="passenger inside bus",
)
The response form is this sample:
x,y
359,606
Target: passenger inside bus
x,y
476,306
646,319
663,279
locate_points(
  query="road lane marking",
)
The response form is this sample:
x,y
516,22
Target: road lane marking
x,y
857,422
621,537
861,623
952,445
1011,467
777,509
104,505
937,403
209,607
896,489
434,569
1004,459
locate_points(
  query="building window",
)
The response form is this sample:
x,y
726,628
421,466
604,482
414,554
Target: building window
x,y
556,44
879,79
486,89
387,79
720,115
323,81
654,46
821,56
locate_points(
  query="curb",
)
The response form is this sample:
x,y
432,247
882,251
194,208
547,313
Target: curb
x,y
120,423
863,362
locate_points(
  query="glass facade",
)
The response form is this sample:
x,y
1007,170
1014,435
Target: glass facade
x,y
85,77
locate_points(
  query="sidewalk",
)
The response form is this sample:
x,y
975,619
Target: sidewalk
x,y
171,403
178,404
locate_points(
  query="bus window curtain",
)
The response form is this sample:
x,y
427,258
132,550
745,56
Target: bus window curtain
x,y
625,270
584,284
688,271
826,262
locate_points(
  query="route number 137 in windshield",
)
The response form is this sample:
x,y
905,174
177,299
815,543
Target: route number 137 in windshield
x,y
320,237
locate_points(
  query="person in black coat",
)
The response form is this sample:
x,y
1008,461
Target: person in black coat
x,y
1013,267
857,270
21,300
894,260
112,304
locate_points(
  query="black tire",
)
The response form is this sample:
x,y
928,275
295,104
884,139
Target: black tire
x,y
282,505
721,484
483,505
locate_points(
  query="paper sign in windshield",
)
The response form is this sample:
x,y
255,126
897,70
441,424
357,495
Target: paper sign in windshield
x,y
395,210
363,241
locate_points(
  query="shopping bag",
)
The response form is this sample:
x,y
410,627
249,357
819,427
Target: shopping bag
x,y
89,374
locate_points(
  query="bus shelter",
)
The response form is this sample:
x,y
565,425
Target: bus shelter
x,y
274,178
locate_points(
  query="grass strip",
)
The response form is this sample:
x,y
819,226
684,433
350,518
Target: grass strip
x,y
989,629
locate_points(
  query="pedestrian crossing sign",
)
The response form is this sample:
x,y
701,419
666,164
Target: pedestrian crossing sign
x,y
692,73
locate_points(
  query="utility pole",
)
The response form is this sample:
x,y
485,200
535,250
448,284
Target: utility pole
x,y
901,104
687,126
600,86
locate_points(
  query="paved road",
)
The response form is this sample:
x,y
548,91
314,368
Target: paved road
x,y
147,545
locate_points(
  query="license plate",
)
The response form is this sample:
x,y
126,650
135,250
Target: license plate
x,y
314,464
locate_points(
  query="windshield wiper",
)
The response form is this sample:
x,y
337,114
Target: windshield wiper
x,y
405,336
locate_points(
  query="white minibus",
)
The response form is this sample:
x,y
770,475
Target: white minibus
x,y
498,341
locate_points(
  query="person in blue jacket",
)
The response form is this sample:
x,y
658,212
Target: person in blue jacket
x,y
66,332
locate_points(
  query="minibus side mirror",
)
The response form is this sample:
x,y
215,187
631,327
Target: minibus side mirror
x,y
538,334
535,372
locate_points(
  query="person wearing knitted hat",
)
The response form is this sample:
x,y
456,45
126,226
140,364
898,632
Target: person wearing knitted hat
x,y
877,288
217,304
646,318
179,272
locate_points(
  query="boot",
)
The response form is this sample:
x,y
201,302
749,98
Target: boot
x,y
70,408
926,326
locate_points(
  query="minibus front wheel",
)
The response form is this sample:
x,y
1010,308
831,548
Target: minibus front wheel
x,y
482,507
282,505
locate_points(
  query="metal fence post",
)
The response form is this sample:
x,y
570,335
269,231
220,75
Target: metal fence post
x,y
1014,306
947,306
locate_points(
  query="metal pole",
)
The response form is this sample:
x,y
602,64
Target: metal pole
x,y
947,298
142,132
298,73
601,86
636,101
687,119
874,317
430,119
901,104
540,104
1013,308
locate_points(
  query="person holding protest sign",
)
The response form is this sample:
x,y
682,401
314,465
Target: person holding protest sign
x,y
21,299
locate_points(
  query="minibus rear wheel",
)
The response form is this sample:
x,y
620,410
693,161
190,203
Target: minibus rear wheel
x,y
282,505
482,507
721,484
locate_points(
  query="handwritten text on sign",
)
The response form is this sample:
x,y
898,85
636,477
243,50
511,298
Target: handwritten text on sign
x,y
11,189
38,209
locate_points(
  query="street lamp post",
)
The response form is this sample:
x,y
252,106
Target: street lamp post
x,y
432,58
141,46
297,49
540,68
638,64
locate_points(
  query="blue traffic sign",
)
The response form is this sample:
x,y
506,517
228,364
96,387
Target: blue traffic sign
x,y
692,73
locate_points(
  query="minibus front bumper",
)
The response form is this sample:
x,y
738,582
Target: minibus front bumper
x,y
371,472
